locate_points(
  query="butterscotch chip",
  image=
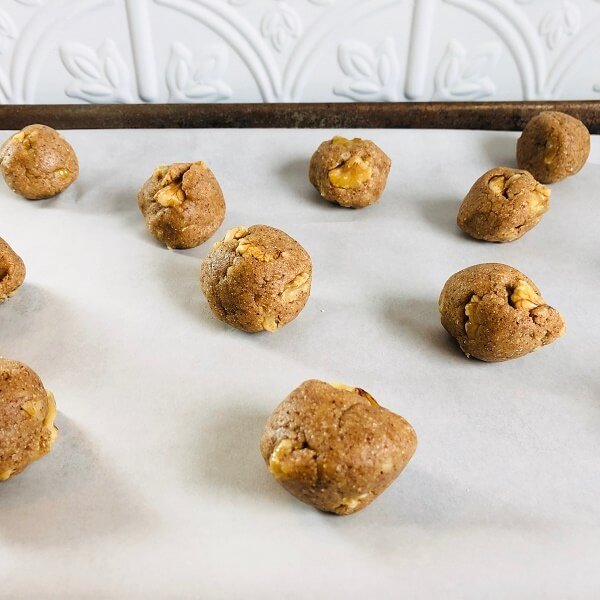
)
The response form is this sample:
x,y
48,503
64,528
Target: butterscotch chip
x,y
496,313
503,205
27,413
37,162
352,173
182,204
257,278
333,447
553,146
12,271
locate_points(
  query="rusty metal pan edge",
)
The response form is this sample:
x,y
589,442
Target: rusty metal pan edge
x,y
501,116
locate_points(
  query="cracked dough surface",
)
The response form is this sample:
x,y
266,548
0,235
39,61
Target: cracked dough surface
x,y
27,414
182,204
333,447
256,278
12,271
37,162
503,205
496,313
351,173
553,146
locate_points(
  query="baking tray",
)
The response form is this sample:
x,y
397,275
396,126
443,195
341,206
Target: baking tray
x,y
155,487
507,116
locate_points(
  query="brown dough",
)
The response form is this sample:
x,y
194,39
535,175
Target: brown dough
x,y
496,313
37,162
553,146
182,204
333,447
27,414
257,278
12,271
352,173
502,205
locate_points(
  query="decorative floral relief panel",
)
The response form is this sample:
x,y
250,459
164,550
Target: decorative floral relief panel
x,y
56,51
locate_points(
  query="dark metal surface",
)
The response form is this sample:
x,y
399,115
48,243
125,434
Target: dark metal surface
x,y
509,116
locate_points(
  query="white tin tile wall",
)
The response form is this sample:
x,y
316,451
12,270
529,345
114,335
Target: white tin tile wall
x,y
297,50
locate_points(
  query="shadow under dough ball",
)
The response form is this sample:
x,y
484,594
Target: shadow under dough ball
x,y
182,204
27,413
496,313
503,205
37,162
553,146
257,279
333,447
12,271
351,173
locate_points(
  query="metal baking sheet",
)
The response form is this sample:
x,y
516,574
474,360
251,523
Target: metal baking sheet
x,y
155,487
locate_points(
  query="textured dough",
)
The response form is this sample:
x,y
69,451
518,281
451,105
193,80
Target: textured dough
x,y
182,204
352,173
333,447
553,146
257,278
502,205
37,162
27,414
496,313
12,271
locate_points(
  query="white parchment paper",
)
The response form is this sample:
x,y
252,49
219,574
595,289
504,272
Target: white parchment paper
x,y
156,489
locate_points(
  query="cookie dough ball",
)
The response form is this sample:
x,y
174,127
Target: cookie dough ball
x,y
182,204
352,173
333,447
503,205
257,278
12,271
496,313
37,162
553,146
27,413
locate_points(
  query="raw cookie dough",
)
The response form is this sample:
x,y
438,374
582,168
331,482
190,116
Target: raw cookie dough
x,y
37,162
257,278
502,205
496,313
333,447
182,204
352,173
12,271
553,146
27,413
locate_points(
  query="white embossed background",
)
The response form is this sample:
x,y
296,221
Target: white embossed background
x,y
56,51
